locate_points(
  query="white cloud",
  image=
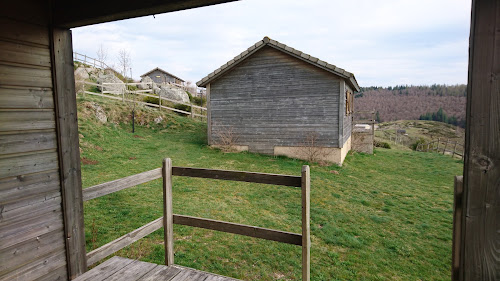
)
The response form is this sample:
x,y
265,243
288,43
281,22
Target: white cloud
x,y
383,42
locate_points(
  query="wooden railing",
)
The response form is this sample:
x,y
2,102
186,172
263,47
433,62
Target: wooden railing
x,y
442,146
161,100
169,218
89,61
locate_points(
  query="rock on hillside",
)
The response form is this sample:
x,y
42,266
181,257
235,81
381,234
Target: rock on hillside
x,y
108,76
166,90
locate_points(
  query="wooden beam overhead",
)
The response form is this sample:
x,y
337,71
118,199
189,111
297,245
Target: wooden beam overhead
x,y
70,14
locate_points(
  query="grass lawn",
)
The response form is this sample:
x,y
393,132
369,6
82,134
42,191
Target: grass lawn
x,y
382,216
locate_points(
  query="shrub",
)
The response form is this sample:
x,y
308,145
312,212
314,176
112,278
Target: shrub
x,y
382,144
182,107
190,96
200,101
417,143
151,100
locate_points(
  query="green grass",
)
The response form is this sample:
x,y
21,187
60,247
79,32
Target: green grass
x,y
384,216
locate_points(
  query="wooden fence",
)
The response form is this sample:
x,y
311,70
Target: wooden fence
x,y
123,96
442,146
169,218
89,61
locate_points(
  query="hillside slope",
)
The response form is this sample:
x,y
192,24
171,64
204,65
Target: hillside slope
x,y
409,102
379,217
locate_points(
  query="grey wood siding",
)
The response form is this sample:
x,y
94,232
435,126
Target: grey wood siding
x,y
274,99
32,241
163,77
347,127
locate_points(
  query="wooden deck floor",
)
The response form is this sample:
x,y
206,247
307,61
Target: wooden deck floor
x,y
118,268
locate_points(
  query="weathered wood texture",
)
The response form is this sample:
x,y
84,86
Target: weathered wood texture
x,y
480,258
32,240
246,230
68,148
168,213
122,242
120,184
238,176
274,99
306,228
118,268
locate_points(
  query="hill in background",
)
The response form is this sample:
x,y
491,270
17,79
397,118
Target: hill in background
x,y
410,102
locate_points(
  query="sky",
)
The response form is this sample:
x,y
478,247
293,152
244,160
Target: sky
x,y
383,42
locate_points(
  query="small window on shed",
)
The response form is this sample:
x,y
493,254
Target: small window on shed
x,y
349,103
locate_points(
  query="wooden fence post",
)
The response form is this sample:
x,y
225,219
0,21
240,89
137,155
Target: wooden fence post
x,y
446,145
457,227
306,229
159,101
454,149
168,215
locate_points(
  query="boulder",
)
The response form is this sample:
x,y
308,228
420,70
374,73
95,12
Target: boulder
x,y
109,77
99,113
172,92
145,79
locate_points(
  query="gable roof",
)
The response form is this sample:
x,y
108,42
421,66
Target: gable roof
x,y
159,69
266,41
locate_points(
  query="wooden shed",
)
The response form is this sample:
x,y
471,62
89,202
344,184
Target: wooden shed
x,y
280,101
41,204
159,76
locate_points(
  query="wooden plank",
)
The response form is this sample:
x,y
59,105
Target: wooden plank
x,y
238,176
105,269
457,228
168,219
132,272
43,204
15,75
20,97
241,229
27,142
25,230
480,258
306,228
28,164
68,148
120,184
26,120
25,186
122,242
24,32
31,250
58,274
38,268
161,273
24,54
211,276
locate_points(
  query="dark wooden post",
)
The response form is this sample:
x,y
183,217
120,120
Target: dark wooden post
x,y
445,146
168,215
306,229
480,258
457,228
69,154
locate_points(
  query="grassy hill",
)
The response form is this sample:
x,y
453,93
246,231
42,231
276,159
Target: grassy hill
x,y
378,217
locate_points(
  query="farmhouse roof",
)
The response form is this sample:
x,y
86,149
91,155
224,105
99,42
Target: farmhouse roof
x,y
266,41
163,72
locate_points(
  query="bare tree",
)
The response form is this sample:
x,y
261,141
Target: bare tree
x,y
124,61
102,54
311,150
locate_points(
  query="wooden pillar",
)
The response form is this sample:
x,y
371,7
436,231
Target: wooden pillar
x,y
306,229
480,258
457,228
68,149
168,215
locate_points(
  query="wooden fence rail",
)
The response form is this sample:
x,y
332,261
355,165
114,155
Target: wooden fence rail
x,y
442,146
169,218
160,104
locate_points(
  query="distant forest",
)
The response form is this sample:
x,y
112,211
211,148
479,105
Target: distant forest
x,y
403,102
